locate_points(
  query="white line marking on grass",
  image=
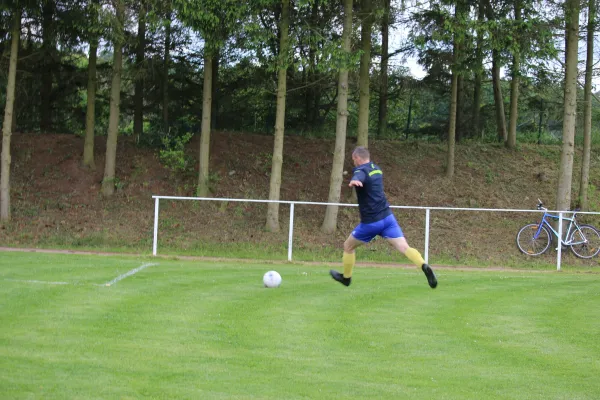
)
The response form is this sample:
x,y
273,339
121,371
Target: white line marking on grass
x,y
34,281
129,273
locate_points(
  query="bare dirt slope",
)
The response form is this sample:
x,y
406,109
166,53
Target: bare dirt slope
x,y
57,203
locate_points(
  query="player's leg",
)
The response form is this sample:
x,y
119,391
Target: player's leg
x,y
349,257
400,244
362,234
393,233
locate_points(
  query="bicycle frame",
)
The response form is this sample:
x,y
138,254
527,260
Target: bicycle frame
x,y
572,224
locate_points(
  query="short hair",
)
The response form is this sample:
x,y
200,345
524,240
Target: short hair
x,y
362,153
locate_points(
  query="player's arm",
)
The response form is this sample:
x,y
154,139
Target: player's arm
x,y
358,178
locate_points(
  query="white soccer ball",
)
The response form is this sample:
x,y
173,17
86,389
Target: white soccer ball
x,y
272,279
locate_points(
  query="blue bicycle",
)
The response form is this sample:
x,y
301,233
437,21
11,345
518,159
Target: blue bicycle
x,y
535,239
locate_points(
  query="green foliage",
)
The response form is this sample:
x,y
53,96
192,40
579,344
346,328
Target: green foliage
x,y
173,156
215,20
213,180
246,37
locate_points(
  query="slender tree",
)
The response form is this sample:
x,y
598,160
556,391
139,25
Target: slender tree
x,y
203,170
511,141
108,183
277,159
166,65
452,127
319,17
496,34
336,179
462,17
215,89
364,73
90,114
565,176
138,95
587,108
8,117
460,101
48,51
478,72
383,84
460,14
498,97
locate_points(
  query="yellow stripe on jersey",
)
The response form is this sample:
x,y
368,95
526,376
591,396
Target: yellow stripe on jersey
x,y
375,171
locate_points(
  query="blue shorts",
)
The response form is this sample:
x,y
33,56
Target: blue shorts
x,y
387,228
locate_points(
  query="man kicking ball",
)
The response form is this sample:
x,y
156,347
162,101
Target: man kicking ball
x,y
376,218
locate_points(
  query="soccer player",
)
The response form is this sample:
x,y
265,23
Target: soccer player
x,y
376,218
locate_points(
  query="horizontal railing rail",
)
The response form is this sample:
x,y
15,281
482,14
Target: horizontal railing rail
x,y
292,204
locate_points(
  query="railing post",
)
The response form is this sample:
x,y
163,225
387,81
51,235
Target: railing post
x,y
291,233
155,243
559,252
427,212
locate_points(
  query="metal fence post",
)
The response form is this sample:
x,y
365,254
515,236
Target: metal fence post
x,y
291,233
559,252
155,243
427,213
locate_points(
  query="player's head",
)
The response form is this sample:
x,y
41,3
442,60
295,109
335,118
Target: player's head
x,y
360,155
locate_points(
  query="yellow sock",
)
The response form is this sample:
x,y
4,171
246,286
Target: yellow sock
x,y
414,256
348,260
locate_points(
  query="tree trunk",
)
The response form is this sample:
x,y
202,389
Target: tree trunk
x,y
108,183
277,160
312,99
476,104
364,74
498,100
8,118
48,48
511,142
460,90
457,60
309,100
165,83
565,176
215,99
452,124
587,109
462,14
203,189
90,114
138,96
335,182
13,124
539,140
307,78
409,117
478,74
496,82
383,86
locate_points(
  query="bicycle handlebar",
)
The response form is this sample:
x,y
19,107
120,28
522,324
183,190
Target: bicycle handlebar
x,y
541,207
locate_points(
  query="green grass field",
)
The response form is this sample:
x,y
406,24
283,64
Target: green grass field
x,y
205,330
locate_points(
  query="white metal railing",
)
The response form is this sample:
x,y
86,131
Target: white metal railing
x,y
427,217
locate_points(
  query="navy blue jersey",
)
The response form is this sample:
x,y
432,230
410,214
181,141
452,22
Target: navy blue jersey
x,y
372,203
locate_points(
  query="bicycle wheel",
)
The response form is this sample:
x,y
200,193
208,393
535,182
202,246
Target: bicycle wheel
x,y
591,241
529,244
